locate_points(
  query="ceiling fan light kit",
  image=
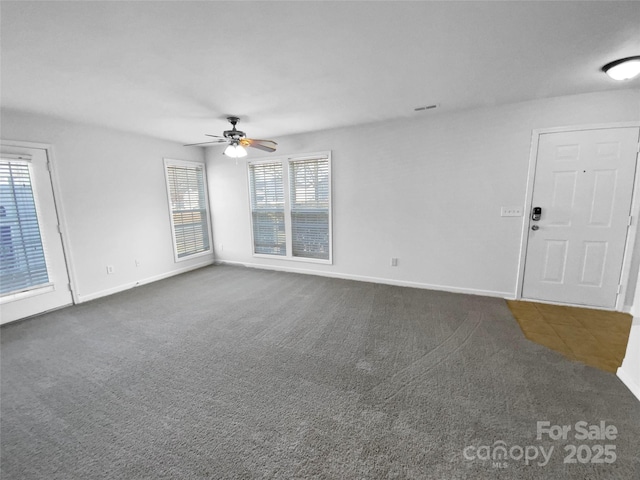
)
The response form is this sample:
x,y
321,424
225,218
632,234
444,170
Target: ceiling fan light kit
x,y
237,141
623,69
235,151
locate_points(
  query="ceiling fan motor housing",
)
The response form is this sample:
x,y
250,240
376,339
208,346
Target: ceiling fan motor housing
x,y
233,133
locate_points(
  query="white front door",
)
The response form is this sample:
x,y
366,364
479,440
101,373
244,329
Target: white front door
x,y
33,269
583,187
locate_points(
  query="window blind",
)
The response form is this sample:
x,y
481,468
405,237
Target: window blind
x,y
309,197
22,260
189,216
267,208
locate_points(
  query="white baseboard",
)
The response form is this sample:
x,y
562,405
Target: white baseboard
x,y
364,278
628,380
127,286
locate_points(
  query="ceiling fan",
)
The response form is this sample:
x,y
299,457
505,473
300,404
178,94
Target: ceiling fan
x,y
237,141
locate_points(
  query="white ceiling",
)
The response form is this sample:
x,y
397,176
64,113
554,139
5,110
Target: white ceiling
x,y
175,70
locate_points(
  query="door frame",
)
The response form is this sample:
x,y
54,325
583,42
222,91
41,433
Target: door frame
x,y
632,233
55,187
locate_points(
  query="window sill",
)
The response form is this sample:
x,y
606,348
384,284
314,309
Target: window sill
x,y
39,290
195,255
294,259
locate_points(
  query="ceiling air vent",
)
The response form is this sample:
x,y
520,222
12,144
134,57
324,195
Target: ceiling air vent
x,y
426,107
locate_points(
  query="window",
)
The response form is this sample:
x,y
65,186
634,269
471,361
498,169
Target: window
x,y
22,262
267,208
188,206
291,207
309,186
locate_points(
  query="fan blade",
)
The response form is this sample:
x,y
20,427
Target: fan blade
x,y
215,136
204,143
264,145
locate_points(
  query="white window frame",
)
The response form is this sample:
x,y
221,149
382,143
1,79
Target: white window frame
x,y
187,163
48,286
285,161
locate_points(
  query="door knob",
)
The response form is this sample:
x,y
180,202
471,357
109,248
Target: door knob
x,y
535,227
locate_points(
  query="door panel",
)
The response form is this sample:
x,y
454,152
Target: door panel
x,y
603,198
584,184
564,189
55,293
554,261
593,262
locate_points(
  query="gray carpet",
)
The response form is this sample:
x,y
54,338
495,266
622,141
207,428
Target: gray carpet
x,y
233,373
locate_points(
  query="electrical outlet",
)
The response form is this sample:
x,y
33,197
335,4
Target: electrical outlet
x,y
110,269
511,212
394,262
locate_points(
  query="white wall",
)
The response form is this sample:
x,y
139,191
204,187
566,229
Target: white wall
x,y
114,200
629,372
427,190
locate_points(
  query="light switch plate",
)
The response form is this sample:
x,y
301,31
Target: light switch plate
x,y
511,212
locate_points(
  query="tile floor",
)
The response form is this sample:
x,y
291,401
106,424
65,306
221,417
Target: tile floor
x,y
595,337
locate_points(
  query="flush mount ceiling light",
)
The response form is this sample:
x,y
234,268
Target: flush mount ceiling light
x,y
623,69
